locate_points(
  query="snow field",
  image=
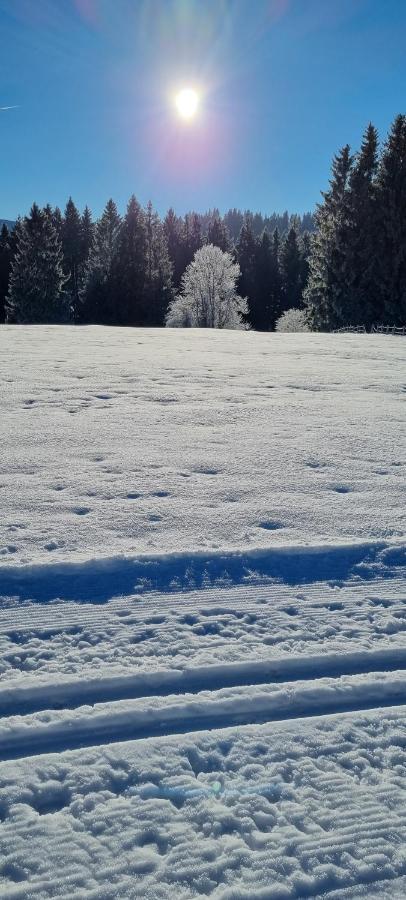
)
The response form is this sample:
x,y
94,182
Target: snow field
x,y
202,615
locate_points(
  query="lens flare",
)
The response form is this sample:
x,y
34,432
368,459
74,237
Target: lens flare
x,y
187,101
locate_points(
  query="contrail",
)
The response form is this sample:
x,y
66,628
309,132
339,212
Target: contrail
x,y
3,108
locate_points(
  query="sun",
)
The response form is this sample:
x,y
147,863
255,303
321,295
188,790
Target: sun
x,y
187,101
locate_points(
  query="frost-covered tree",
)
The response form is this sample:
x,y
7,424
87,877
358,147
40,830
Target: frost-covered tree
x,y
208,297
37,279
292,320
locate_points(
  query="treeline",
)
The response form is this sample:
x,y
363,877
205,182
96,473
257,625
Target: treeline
x,y
350,271
357,270
126,270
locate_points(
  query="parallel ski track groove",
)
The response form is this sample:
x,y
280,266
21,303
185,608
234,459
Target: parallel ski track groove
x,y
36,744
75,694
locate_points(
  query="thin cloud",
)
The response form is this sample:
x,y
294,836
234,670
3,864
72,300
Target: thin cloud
x,y
3,108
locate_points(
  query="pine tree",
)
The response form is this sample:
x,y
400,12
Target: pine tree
x,y
98,298
391,244
217,234
291,271
72,252
37,279
5,266
326,292
158,291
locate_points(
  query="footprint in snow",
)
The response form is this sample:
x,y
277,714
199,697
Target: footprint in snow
x,y
270,525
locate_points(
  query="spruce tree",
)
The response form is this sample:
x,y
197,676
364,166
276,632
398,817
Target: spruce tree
x,y
262,312
291,271
192,236
326,292
173,228
217,234
99,297
87,231
358,235
36,281
57,221
305,251
130,267
246,252
5,266
158,290
72,252
391,243
276,284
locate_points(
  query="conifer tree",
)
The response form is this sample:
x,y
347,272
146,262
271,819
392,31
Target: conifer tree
x,y
98,296
217,234
5,266
326,292
246,252
276,284
72,252
391,245
87,230
358,235
36,281
305,251
130,267
158,291
57,221
261,311
193,239
291,271
173,228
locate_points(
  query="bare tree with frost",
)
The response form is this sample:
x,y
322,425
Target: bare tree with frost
x,y
208,296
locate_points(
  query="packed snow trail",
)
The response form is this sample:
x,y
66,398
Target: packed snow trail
x,y
202,616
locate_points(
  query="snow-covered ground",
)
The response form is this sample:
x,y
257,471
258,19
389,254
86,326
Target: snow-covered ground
x,y
202,615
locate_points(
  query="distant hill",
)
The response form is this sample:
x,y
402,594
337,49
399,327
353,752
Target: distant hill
x,y
10,224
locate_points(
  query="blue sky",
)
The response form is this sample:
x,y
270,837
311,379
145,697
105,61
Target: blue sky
x,y
283,84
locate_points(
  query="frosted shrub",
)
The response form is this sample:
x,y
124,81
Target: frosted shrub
x,y
292,320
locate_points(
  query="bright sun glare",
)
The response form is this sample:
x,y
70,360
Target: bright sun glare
x,y
187,102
